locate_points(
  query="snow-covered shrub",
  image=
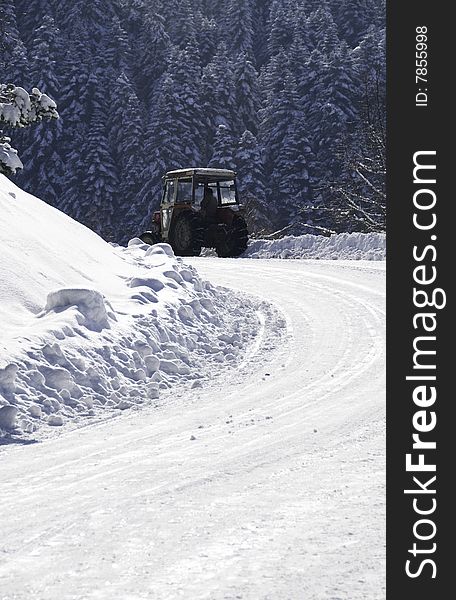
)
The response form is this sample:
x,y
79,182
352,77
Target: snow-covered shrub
x,y
18,108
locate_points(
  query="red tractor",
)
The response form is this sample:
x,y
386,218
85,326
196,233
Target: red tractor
x,y
200,209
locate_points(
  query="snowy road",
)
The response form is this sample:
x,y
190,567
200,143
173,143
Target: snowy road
x,y
279,496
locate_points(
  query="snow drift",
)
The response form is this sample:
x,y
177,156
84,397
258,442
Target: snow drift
x,y
349,246
88,327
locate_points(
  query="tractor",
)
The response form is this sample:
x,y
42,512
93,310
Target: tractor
x,y
200,209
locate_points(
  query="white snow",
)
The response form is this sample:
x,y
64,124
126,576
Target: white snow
x,y
348,246
89,328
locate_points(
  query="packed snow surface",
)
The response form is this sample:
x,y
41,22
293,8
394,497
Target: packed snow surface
x,y
349,246
90,328
259,471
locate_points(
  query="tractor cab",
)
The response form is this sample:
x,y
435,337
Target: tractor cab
x,y
200,208
205,190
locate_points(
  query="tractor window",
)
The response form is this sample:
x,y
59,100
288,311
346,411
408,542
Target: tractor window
x,y
200,186
184,191
213,187
199,192
166,215
168,197
227,192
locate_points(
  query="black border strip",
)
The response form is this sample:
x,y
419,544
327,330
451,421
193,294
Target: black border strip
x,y
412,129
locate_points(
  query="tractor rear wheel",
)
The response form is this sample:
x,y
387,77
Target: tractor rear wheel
x,y
187,234
235,239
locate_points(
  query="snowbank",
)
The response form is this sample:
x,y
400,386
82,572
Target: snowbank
x,y
344,246
88,328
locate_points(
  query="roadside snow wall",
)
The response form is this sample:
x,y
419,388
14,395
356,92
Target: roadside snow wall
x,y
343,246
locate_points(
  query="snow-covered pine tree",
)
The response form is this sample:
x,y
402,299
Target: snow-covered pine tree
x,y
301,27
118,53
84,197
181,20
166,135
13,53
18,108
282,133
276,116
322,30
32,14
151,49
298,56
369,58
43,161
71,201
354,17
247,93
260,16
280,26
164,150
292,171
185,101
213,8
223,152
125,123
74,97
308,78
251,183
74,110
380,14
125,134
239,20
332,113
45,47
218,97
359,194
271,76
97,192
93,16
207,38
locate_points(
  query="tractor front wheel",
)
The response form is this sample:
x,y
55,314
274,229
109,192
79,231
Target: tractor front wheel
x,y
150,237
187,234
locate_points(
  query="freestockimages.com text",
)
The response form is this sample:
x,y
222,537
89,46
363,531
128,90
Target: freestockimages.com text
x,y
427,299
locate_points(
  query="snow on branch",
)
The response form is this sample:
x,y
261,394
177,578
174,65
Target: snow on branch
x,y
9,160
18,108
